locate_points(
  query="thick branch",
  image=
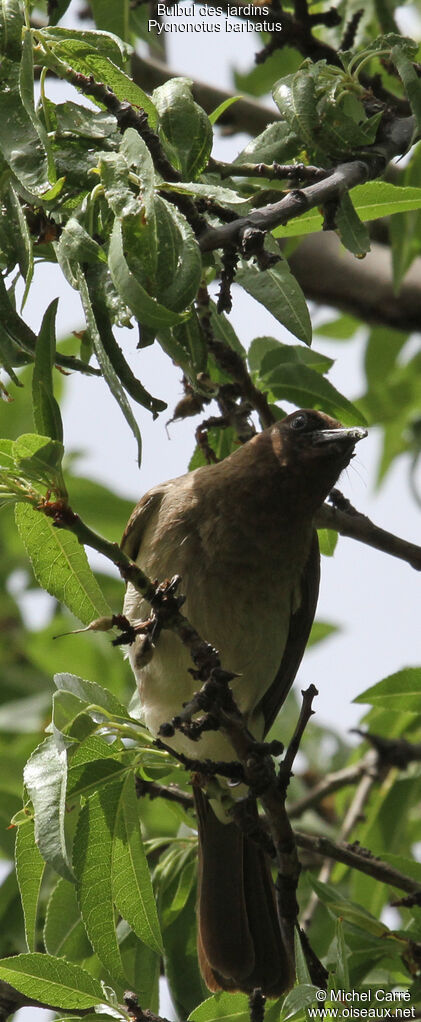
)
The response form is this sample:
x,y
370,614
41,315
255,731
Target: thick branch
x,y
344,177
330,275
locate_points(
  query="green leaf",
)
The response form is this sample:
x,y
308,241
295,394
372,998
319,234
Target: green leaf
x,y
328,539
276,144
321,630
80,55
22,239
372,201
295,98
107,44
280,293
90,692
105,363
146,308
298,1000
20,142
219,110
308,389
353,234
190,336
11,24
119,192
223,1005
52,981
132,885
29,870
45,778
96,284
92,862
266,354
410,80
219,193
38,460
64,932
223,330
112,17
183,127
60,565
46,411
141,966
400,691
178,250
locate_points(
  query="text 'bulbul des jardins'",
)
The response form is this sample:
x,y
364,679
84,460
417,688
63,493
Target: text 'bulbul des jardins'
x,y
206,25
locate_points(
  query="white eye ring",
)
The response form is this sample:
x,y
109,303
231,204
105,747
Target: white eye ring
x,y
300,422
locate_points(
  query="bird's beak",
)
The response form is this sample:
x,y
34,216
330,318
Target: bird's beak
x,y
327,436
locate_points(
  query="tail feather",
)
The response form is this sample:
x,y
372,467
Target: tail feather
x,y
239,940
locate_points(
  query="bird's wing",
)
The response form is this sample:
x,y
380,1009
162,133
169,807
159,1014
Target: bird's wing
x,y
140,518
298,634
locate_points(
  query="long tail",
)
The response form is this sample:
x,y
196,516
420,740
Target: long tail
x,y
239,940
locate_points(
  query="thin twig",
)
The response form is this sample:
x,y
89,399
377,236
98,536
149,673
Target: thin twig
x,y
360,859
355,525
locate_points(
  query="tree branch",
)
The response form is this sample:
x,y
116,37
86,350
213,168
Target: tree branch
x,y
346,520
330,275
357,858
342,178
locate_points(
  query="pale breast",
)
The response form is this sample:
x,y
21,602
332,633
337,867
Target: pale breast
x,y
241,588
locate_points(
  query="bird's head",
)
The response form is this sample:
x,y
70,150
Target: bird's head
x,y
316,448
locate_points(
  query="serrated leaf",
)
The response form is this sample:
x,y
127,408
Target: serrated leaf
x,y
400,691
108,44
90,692
45,776
29,871
298,1000
46,411
131,880
146,308
64,932
107,368
60,565
92,862
52,981
81,55
184,127
280,293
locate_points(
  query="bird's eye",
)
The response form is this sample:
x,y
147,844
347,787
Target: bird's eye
x,y
300,422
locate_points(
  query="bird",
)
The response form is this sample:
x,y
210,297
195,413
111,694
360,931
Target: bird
x,y
241,535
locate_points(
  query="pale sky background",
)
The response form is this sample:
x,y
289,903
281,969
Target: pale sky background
x,y
373,597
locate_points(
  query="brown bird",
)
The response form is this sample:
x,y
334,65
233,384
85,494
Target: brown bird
x,y
241,535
